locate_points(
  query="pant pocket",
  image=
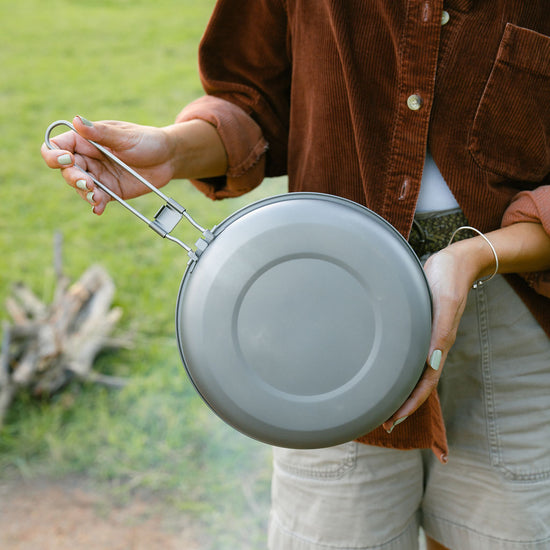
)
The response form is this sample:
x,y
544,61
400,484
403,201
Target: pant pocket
x,y
331,498
330,463
516,376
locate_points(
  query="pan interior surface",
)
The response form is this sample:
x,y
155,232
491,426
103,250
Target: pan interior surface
x,y
306,322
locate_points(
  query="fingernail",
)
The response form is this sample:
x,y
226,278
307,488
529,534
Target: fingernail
x,y
90,198
86,122
64,159
435,359
81,184
396,423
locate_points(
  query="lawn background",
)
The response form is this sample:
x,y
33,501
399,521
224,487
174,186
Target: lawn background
x,y
129,60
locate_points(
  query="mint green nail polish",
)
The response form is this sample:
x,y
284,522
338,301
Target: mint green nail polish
x,y
399,420
86,122
396,423
435,359
90,198
81,184
65,159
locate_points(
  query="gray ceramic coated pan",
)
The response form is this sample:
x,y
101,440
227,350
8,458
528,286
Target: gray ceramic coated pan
x,y
306,322
303,320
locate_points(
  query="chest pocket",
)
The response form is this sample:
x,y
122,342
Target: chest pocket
x,y
511,131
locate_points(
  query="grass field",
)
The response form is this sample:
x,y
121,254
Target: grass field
x,y
128,60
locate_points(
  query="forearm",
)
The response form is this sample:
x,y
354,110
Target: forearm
x,y
521,247
196,150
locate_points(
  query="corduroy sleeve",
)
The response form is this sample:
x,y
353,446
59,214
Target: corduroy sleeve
x,y
244,145
244,59
532,206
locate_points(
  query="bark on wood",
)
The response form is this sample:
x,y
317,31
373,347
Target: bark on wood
x,y
46,346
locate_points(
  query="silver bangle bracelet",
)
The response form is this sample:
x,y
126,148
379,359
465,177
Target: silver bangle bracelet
x,y
488,278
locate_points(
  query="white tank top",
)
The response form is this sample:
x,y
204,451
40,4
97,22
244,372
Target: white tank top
x,y
434,195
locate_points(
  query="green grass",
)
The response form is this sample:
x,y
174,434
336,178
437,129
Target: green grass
x,y
128,60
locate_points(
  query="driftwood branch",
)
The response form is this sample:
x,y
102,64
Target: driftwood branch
x,y
7,388
46,346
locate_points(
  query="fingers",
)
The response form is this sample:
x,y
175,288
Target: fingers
x,y
96,131
98,199
425,386
56,158
95,196
449,293
110,134
72,159
113,134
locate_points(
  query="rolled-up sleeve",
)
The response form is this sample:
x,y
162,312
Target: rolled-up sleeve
x,y
244,144
532,206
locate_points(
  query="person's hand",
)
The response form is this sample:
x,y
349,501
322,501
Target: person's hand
x,y
451,273
188,150
146,149
521,248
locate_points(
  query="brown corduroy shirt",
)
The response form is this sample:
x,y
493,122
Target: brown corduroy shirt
x,y
345,96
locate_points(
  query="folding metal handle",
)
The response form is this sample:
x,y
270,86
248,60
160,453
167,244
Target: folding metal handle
x,y
168,216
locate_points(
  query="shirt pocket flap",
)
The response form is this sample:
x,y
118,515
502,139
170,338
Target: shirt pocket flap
x,y
510,135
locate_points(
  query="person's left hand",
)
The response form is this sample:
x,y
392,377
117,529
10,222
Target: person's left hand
x,y
520,247
450,281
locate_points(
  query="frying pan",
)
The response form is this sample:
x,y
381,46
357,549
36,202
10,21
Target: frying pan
x,y
303,320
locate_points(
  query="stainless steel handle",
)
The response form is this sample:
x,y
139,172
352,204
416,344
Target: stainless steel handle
x,y
168,216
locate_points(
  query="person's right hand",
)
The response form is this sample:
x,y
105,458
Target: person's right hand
x,y
186,150
146,149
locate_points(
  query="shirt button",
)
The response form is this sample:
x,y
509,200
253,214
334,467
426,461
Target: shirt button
x,y
414,102
445,18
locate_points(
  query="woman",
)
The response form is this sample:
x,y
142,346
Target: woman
x,y
435,117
